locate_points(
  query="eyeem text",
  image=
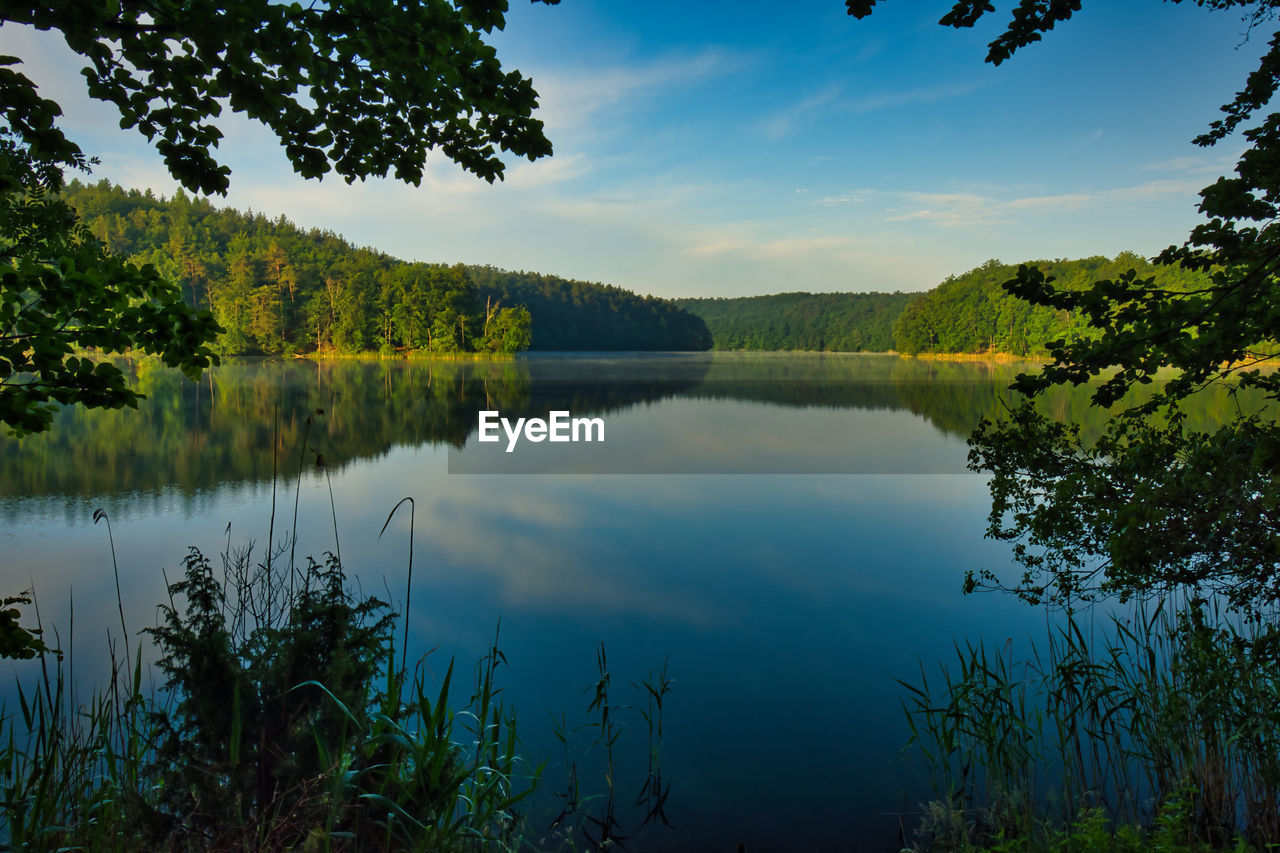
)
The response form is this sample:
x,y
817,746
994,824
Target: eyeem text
x,y
560,426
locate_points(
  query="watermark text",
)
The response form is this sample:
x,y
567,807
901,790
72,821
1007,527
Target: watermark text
x,y
559,426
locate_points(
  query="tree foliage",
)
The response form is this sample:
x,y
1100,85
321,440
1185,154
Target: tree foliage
x,y
86,300
360,88
579,315
975,313
814,322
1154,503
276,288
62,293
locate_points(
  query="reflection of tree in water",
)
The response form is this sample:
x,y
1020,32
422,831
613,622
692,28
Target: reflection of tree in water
x,y
953,396
193,436
196,435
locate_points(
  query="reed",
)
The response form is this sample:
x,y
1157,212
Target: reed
x,y
1163,719
285,717
595,819
266,735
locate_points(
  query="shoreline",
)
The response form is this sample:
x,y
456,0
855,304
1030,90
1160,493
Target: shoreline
x,y
977,356
923,356
412,355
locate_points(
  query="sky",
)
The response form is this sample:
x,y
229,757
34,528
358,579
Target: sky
x,y
709,148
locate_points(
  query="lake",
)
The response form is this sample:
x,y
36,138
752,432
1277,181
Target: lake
x,y
788,532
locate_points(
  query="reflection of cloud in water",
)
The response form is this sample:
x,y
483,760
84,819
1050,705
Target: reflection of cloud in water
x,y
742,436
720,435
759,587
535,539
683,547
568,576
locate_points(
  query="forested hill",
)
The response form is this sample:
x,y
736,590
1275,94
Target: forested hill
x,y
276,288
973,313
838,322
577,315
968,313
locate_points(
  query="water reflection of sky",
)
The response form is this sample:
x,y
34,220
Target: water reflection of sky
x,y
710,436
788,605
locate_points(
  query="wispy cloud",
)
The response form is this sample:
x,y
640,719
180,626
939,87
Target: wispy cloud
x,y
756,257
967,210
571,97
909,97
838,200
1189,186
832,100
546,172
1085,141
720,244
783,123
1221,163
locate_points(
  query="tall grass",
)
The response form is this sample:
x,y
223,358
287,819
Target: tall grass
x,y
1169,709
599,819
297,729
300,732
284,720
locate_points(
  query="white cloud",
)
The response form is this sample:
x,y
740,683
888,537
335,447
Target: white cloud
x,y
546,172
783,123
837,201
1189,187
754,257
922,95
570,98
782,247
1218,162
1178,164
1086,141
967,210
832,100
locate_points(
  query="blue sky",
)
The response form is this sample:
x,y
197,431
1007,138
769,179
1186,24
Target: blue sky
x,y
719,149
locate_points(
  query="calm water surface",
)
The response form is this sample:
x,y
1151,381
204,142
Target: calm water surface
x,y
789,532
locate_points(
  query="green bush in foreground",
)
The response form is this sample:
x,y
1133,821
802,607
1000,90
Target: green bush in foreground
x,y
283,724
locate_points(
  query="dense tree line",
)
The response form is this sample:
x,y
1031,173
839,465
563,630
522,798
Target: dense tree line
x,y
578,315
974,313
833,322
968,313
277,289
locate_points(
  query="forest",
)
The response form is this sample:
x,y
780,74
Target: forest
x,y
576,315
967,313
814,322
974,313
277,289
